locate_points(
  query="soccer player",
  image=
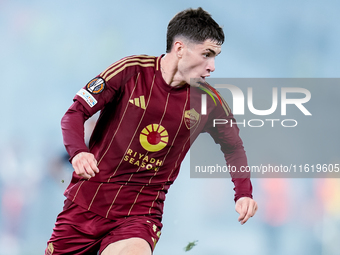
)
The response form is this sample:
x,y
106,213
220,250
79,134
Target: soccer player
x,y
150,115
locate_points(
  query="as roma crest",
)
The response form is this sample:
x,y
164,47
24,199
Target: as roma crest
x,y
191,118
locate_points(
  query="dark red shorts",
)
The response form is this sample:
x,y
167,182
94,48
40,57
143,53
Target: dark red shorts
x,y
78,231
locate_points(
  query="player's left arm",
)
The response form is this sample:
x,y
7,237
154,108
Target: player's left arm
x,y
232,147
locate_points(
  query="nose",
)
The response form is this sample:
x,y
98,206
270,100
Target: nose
x,y
211,65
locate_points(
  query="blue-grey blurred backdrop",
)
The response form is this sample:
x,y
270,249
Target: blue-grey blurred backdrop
x,y
50,49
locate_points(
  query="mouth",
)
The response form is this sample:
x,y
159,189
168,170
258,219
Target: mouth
x,y
204,76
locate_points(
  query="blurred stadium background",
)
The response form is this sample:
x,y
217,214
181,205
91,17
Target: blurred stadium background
x,y
49,49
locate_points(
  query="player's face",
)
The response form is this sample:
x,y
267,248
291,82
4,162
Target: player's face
x,y
198,60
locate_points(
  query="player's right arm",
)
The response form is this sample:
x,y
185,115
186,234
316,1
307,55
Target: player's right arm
x,y
92,98
72,125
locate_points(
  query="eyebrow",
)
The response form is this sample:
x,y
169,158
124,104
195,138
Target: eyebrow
x,y
212,51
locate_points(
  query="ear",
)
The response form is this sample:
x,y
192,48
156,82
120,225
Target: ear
x,y
179,47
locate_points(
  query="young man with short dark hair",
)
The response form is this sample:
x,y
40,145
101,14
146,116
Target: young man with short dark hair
x,y
149,118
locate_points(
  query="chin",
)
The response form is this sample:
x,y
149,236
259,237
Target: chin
x,y
195,82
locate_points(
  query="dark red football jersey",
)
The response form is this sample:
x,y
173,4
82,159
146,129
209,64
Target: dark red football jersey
x,y
141,137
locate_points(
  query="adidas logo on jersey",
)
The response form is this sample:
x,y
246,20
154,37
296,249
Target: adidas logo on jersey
x,y
138,101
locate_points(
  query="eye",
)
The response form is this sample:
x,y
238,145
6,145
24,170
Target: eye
x,y
206,54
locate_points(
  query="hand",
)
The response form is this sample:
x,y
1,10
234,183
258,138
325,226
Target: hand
x,y
85,165
246,207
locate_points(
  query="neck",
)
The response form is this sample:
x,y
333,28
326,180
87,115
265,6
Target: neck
x,y
170,73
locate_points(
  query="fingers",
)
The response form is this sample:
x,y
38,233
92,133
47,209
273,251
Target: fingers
x,y
85,165
241,209
246,207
